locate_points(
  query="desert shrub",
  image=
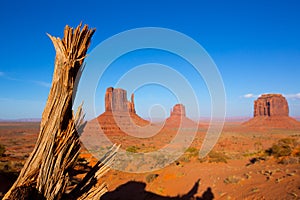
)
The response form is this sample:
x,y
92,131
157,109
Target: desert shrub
x,y
185,159
289,141
132,149
192,151
251,154
18,165
280,150
151,177
258,146
202,160
283,147
2,150
189,153
289,160
217,157
6,166
232,179
256,159
297,151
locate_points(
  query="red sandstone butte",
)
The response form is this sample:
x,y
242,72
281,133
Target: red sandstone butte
x,y
178,118
272,110
119,112
116,101
119,119
271,105
178,110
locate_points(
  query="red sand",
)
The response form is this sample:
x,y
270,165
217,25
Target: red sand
x,y
236,179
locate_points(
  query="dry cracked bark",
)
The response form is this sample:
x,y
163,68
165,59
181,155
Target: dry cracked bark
x,y
45,173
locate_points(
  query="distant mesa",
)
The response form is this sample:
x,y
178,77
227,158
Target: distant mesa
x,y
120,120
272,110
120,117
178,118
178,110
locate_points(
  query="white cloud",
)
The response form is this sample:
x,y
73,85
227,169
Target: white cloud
x,y
248,96
292,96
288,96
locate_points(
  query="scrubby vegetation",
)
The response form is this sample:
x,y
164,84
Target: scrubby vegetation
x,y
151,177
286,151
215,157
2,150
189,154
283,147
132,149
192,151
7,166
232,179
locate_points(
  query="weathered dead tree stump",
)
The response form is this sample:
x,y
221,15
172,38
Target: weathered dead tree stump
x,y
45,173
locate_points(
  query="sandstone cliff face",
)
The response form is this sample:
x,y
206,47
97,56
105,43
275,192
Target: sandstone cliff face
x,y
271,105
272,111
120,115
178,110
116,100
131,104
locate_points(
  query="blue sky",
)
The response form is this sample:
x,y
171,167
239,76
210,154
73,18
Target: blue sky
x,y
255,45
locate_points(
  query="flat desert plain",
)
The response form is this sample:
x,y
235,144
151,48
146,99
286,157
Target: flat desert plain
x,y
246,163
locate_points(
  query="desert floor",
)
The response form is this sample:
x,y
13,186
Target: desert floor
x,y
246,163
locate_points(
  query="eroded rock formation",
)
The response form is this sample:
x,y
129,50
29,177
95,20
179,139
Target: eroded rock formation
x,y
120,115
178,110
116,100
272,111
178,118
271,105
